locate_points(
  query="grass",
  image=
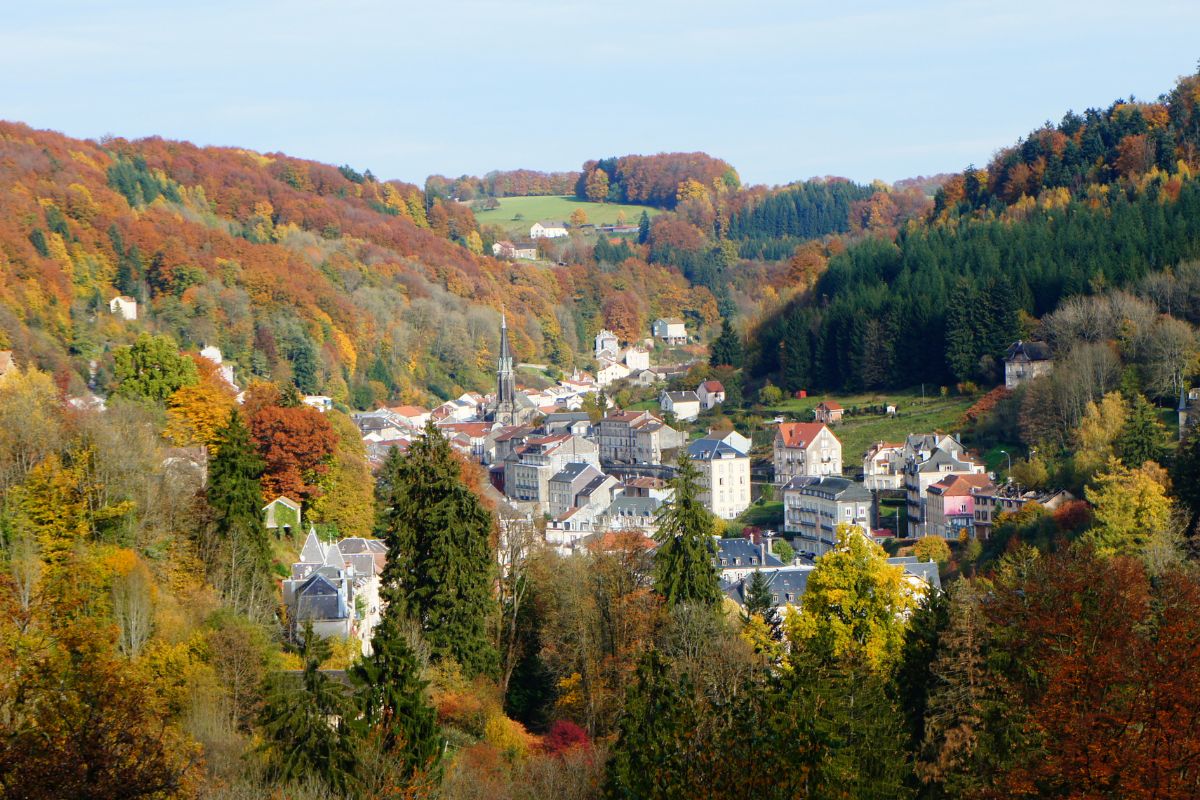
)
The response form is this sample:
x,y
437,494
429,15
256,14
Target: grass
x,y
767,515
914,414
532,209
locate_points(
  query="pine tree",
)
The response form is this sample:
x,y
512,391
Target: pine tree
x,y
305,726
727,349
913,678
685,565
1142,437
440,561
760,602
1185,476
962,346
392,699
235,497
644,228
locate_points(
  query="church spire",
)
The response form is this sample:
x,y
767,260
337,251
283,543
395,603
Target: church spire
x,y
506,392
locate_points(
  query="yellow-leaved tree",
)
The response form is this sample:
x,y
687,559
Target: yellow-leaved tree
x,y
855,604
1098,430
195,413
347,498
1132,508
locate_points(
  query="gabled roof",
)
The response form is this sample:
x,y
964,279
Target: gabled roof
x,y
960,485
682,397
735,553
800,434
832,486
312,552
710,449
550,223
574,470
409,411
1034,351
287,501
334,557
832,405
713,387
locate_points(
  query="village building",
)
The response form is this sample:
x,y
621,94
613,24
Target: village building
x,y
828,412
950,505
548,229
525,251
925,468
282,514
883,466
636,437
1025,361
607,344
609,371
711,394
509,406
724,477
814,506
805,448
684,405
670,330
124,307
636,358
1008,498
527,474
737,558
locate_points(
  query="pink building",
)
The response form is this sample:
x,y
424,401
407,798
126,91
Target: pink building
x,y
950,505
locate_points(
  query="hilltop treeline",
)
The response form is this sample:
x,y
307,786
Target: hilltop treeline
x,y
938,303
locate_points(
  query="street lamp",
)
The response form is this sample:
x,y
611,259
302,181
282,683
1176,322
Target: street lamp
x,y
1006,455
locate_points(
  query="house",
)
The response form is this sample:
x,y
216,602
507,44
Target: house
x,y
670,330
992,501
724,477
282,513
576,423
548,229
805,448
124,307
609,371
567,483
472,435
527,474
737,558
526,251
813,506
336,587
732,438
213,354
684,405
647,377
414,417
1025,361
883,466
6,363
711,393
636,358
950,505
636,437
607,344
320,402
828,412
924,468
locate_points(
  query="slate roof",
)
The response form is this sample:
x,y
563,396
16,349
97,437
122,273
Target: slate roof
x,y
1034,351
710,449
832,486
735,553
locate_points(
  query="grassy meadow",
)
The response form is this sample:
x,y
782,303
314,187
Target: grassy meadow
x,y
516,214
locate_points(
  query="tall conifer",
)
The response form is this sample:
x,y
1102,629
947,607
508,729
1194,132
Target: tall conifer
x,y
685,566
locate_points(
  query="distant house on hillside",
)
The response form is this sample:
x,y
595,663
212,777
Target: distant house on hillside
x,y
6,363
670,330
684,405
1025,361
607,344
124,307
548,229
829,412
805,448
282,513
526,251
710,393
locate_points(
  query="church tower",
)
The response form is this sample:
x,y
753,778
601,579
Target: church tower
x,y
506,391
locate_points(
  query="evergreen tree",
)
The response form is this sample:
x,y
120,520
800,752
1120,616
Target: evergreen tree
x,y
962,346
1185,476
235,497
685,564
760,602
727,349
913,678
392,698
1143,436
644,228
440,561
647,761
305,725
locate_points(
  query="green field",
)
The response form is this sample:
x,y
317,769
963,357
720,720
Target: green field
x,y
516,214
913,415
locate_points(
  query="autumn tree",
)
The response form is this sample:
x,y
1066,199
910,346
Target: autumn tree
x,y
597,186
932,548
685,565
195,414
578,218
296,445
1131,508
347,499
440,567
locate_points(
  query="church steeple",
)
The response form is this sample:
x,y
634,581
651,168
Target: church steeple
x,y
506,392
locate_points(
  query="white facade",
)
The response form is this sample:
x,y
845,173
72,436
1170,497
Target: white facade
x,y
684,405
711,393
606,344
724,477
637,359
123,307
671,331
610,371
805,448
547,230
813,508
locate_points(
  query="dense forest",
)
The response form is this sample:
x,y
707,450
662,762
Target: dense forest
x,y
299,272
1106,200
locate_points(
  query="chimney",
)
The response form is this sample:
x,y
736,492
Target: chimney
x,y
762,551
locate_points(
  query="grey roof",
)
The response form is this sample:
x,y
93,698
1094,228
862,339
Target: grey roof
x,y
925,570
318,598
594,484
312,552
566,416
735,553
831,486
359,544
333,557
1034,351
683,397
937,459
709,449
574,470
787,585
626,506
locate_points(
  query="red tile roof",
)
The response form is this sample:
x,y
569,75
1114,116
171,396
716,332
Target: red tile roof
x,y
799,434
832,405
960,485
713,386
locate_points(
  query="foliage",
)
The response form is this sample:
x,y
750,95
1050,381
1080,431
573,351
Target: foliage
x,y
932,548
440,555
727,348
1131,507
152,369
684,570
296,445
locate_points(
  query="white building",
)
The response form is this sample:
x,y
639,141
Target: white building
x,y
607,344
1025,361
670,330
609,371
637,359
724,477
805,448
684,405
548,229
813,507
711,393
123,307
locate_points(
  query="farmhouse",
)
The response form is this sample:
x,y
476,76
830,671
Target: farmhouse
x,y
711,393
684,405
548,229
526,251
1025,361
829,412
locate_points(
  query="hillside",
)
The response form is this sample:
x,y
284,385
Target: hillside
x,y
1105,200
516,214
349,286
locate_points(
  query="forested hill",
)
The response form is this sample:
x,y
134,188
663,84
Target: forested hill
x,y
1101,201
348,285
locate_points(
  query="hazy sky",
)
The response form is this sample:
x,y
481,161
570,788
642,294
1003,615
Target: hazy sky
x,y
782,90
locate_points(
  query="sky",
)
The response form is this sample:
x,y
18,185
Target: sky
x,y
863,89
